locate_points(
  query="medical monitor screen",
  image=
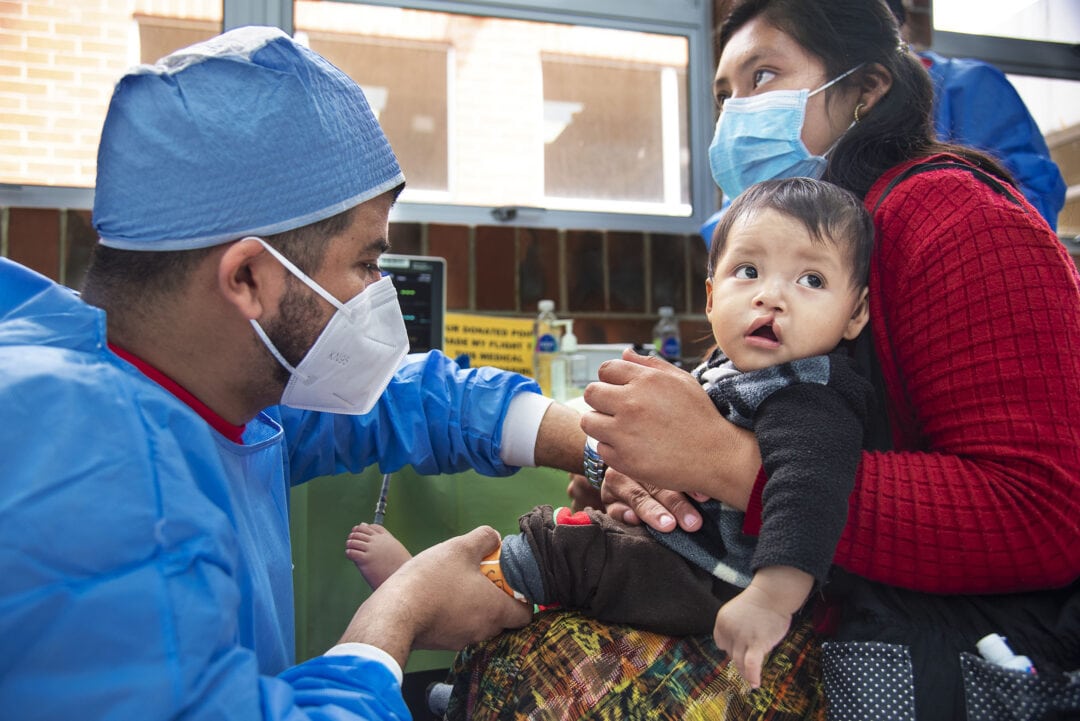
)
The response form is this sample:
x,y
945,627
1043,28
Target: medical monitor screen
x,y
421,287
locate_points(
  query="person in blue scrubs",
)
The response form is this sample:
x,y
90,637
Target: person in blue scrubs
x,y
976,105
234,338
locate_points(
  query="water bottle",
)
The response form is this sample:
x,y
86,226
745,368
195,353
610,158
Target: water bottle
x,y
666,336
546,331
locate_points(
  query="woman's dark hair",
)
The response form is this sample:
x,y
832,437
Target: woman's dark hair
x,y
845,34
828,212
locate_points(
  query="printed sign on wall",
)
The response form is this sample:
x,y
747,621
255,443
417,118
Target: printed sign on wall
x,y
505,343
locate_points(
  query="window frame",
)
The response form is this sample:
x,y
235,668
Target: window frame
x,y
689,18
1017,56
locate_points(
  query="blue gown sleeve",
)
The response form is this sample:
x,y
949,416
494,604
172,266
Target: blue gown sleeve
x,y
338,688
434,415
976,105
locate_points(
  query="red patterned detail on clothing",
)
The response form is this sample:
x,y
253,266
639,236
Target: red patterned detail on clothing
x,y
975,311
565,517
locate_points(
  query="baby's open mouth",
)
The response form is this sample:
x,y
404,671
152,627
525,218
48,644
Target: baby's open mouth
x,y
765,331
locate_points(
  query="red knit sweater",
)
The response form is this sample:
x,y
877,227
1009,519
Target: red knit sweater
x,y
975,309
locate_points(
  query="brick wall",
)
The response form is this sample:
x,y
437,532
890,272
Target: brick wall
x,y
58,63
56,73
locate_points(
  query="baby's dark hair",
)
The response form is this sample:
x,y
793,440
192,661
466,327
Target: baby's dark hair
x,y
830,214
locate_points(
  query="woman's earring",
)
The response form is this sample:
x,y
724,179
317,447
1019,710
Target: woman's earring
x,y
860,105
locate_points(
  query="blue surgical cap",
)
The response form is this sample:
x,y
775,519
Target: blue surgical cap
x,y
248,133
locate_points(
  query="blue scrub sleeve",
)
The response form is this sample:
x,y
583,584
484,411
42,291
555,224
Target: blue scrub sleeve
x,y
435,415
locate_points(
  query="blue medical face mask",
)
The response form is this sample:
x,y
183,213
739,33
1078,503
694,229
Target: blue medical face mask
x,y
760,138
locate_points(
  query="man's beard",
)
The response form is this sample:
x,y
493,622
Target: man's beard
x,y
296,328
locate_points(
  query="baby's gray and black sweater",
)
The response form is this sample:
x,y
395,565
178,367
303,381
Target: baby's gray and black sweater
x,y
808,417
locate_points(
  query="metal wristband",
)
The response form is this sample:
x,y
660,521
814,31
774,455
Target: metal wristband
x,y
594,464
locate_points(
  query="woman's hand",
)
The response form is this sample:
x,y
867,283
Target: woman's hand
x,y
634,503
620,495
656,425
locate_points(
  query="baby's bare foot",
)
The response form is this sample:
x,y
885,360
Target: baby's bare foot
x,y
376,553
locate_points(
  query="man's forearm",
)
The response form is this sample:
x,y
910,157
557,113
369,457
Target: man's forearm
x,y
560,441
382,621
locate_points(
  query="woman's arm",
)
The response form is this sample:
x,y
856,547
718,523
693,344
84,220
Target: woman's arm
x,y
976,318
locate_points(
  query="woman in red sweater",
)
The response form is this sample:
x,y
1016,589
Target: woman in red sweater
x,y
976,324
973,484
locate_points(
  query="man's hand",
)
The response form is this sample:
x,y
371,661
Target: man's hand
x,y
656,425
582,495
438,600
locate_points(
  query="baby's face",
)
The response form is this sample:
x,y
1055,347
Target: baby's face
x,y
776,295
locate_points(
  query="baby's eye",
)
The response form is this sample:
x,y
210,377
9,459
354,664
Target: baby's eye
x,y
746,272
762,76
812,280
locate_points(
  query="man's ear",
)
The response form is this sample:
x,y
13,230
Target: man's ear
x,y
874,82
859,316
248,277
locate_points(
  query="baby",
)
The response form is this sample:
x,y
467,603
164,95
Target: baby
x,y
786,286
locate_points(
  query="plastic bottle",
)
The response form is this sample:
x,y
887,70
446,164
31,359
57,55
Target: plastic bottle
x,y
568,371
666,336
994,649
546,331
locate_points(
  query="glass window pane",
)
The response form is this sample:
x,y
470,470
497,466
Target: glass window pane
x,y
1055,104
487,111
1053,20
597,147
405,83
60,62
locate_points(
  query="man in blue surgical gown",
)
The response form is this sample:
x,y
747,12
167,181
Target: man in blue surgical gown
x,y
234,338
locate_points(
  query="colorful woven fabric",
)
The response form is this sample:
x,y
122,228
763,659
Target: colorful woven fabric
x,y
566,666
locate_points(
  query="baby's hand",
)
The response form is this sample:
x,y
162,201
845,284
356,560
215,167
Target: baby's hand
x,y
748,627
